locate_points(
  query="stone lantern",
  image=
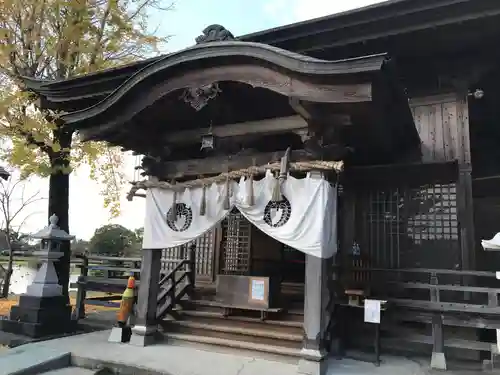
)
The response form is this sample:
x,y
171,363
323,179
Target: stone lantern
x,y
46,282
43,310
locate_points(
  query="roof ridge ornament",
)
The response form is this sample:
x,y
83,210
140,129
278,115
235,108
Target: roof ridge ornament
x,y
214,33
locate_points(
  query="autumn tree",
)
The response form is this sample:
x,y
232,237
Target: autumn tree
x,y
15,204
61,39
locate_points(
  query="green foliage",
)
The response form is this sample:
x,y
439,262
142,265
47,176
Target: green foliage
x,y
61,39
80,246
115,240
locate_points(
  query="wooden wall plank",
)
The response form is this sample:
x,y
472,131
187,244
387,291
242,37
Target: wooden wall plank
x,y
443,125
449,118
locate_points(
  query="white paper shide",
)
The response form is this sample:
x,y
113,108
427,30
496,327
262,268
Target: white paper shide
x,y
305,218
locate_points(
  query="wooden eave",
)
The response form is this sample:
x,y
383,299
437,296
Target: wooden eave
x,y
383,20
389,20
228,61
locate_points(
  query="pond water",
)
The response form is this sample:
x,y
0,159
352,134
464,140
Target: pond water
x,y
22,276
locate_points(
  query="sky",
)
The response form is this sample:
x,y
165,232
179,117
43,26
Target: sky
x,y
184,23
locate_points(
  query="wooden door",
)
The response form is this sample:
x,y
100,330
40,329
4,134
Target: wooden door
x,y
235,245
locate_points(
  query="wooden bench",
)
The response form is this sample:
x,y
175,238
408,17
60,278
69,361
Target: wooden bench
x,y
228,308
254,293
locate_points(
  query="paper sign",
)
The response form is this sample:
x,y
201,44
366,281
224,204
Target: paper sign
x,y
372,311
258,288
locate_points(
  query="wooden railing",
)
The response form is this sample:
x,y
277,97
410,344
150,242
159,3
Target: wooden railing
x,y
177,283
109,275
440,298
103,274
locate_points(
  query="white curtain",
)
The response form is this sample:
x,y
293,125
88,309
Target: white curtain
x,y
306,219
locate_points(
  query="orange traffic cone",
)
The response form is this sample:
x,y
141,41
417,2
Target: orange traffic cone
x,y
127,303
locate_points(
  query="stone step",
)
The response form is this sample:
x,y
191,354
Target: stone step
x,y
233,344
30,360
239,329
242,322
70,371
233,335
289,322
294,312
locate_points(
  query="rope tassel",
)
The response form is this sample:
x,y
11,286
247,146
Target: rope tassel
x,y
226,202
173,209
277,196
251,197
203,204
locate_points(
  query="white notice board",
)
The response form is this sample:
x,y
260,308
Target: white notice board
x,y
372,311
258,290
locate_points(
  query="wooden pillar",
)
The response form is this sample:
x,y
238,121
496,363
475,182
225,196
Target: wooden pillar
x,y
316,315
464,188
438,359
191,270
466,217
145,330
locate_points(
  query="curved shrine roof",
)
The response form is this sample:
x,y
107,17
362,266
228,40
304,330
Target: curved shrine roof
x,y
288,73
237,82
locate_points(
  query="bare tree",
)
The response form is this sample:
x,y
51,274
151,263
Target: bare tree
x,y
14,201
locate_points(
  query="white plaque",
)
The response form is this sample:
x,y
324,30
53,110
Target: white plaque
x,y
372,311
258,290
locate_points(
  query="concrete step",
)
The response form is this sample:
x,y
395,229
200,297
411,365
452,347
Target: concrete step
x,y
228,343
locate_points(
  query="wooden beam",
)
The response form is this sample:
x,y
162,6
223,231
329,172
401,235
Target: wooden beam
x,y
297,86
275,125
300,109
221,164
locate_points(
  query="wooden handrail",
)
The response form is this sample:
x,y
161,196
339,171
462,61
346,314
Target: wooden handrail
x,y
444,287
170,295
120,259
171,273
423,270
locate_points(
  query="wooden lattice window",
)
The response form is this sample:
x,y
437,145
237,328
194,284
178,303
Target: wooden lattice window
x,y
174,254
205,252
205,245
411,227
236,233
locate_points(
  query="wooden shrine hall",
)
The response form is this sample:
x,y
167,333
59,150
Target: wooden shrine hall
x,y
233,109
283,189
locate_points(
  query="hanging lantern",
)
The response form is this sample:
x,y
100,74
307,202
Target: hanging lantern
x,y
208,140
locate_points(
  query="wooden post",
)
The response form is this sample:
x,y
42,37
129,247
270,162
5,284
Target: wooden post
x,y
191,269
79,312
438,360
466,218
493,302
81,293
316,316
146,329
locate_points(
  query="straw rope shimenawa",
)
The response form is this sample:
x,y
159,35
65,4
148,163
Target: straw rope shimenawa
x,y
300,166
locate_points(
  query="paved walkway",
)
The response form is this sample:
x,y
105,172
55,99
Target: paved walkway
x,y
184,360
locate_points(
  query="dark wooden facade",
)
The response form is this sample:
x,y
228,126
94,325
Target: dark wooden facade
x,y
419,188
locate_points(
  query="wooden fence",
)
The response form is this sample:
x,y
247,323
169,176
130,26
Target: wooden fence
x,y
443,310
